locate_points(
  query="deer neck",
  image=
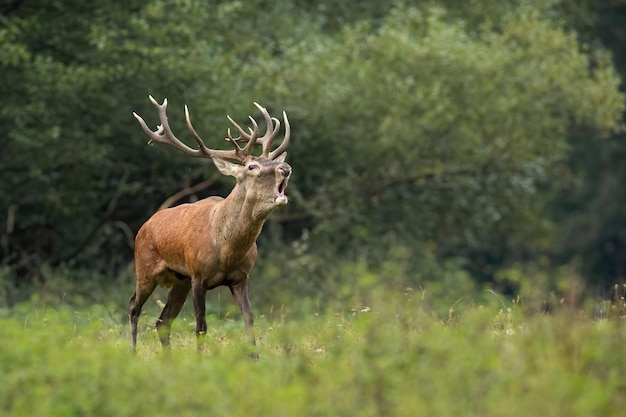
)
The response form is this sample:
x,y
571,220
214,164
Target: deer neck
x,y
238,222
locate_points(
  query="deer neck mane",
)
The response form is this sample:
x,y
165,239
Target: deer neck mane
x,y
238,221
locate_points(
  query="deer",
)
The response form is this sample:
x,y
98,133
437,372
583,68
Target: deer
x,y
196,247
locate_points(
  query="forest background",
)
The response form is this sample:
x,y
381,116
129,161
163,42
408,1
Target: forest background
x,y
437,146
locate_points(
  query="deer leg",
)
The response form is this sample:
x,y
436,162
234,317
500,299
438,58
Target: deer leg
x,y
240,294
199,297
135,304
175,300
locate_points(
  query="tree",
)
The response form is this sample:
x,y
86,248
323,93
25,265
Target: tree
x,y
429,133
592,232
420,131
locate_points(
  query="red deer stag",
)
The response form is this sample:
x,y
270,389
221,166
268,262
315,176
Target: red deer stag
x,y
197,247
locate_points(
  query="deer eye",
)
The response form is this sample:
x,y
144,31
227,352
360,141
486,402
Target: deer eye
x,y
252,167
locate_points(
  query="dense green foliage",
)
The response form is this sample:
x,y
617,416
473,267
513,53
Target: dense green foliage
x,y
434,145
393,358
444,153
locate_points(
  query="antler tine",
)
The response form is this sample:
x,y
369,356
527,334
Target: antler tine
x,y
212,153
250,138
164,134
243,136
195,135
285,142
269,136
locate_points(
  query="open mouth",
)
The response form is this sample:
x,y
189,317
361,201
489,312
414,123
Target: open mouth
x,y
281,198
282,186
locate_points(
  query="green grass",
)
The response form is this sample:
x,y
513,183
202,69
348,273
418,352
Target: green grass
x,y
393,358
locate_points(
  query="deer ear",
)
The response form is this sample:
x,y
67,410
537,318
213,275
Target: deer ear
x,y
225,167
281,157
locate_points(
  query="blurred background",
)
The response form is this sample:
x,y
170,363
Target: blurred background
x,y
439,147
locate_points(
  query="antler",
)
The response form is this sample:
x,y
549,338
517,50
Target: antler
x,y
164,134
269,136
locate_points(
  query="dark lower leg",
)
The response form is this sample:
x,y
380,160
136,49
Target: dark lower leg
x,y
175,301
133,316
135,303
199,296
240,294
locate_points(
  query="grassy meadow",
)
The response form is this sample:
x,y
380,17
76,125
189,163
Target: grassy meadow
x,y
393,357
